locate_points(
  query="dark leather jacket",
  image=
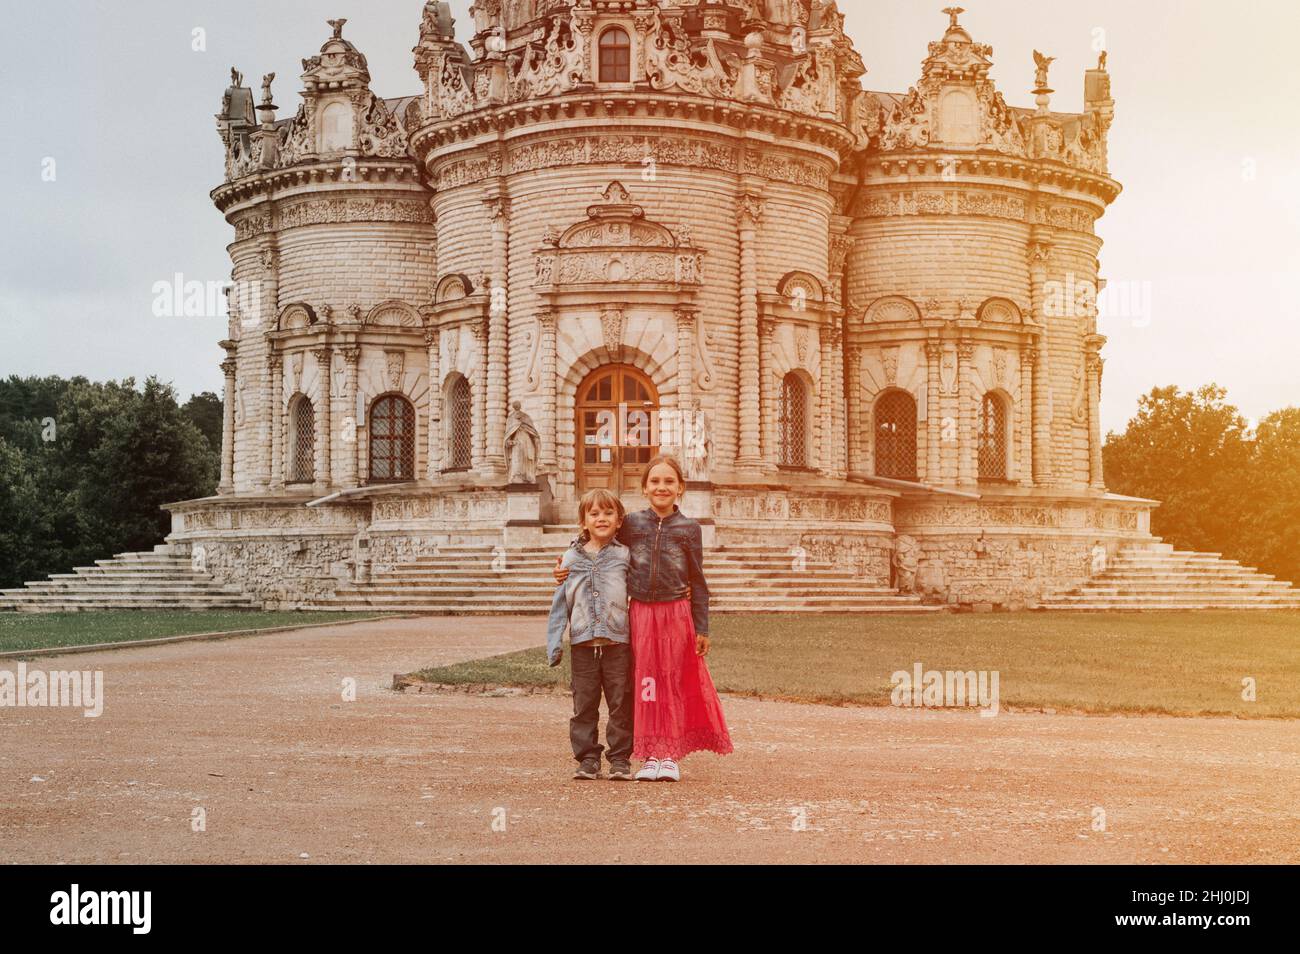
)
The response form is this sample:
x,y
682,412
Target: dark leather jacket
x,y
667,561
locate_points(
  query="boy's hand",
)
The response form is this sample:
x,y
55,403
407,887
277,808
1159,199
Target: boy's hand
x,y
701,645
557,658
561,573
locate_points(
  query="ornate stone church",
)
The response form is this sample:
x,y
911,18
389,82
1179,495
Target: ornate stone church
x,y
609,228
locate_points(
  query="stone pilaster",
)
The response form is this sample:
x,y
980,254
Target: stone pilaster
x,y
480,396
433,450
968,449
853,401
275,406
825,400
324,417
933,413
749,454
1025,459
351,422
1044,467
838,448
227,484
768,394
550,462
494,459
686,318
1096,479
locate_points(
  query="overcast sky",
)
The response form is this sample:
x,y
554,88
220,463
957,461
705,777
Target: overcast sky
x,y
1206,142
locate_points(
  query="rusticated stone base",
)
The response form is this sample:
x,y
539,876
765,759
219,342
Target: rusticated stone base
x,y
1011,550
1008,549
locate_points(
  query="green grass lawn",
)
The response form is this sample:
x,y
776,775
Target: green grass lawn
x,y
1189,663
19,631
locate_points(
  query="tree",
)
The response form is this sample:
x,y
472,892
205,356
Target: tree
x,y
1190,451
205,411
93,482
1271,531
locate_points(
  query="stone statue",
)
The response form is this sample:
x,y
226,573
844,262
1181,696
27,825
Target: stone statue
x,y
236,77
521,445
907,557
267,80
953,14
337,27
1042,62
1101,60
697,444
1099,557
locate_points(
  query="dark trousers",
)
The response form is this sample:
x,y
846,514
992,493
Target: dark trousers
x,y
597,668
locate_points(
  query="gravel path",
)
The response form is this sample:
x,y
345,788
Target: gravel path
x,y
255,732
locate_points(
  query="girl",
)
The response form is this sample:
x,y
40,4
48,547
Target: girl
x,y
677,710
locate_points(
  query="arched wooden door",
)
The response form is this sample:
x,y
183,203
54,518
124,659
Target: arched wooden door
x,y
617,418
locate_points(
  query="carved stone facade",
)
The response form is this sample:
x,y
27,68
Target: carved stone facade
x,y
880,307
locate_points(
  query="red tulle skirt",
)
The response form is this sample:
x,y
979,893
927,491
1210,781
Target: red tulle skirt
x,y
677,709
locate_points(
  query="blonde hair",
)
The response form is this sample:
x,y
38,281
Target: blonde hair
x,y
600,497
658,459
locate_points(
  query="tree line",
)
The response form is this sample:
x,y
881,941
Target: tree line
x,y
84,467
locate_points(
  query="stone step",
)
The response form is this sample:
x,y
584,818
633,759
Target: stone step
x,y
1156,576
1100,607
162,579
1189,599
523,609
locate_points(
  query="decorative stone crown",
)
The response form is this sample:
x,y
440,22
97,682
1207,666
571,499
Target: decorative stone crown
x,y
955,104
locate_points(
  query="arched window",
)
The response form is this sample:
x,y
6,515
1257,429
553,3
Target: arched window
x,y
302,430
993,438
615,56
459,415
392,439
895,429
792,422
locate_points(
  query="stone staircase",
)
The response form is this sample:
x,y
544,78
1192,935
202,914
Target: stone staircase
x,y
1155,576
742,579
161,580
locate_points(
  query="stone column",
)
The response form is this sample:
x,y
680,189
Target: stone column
x,y
351,421
825,400
274,403
686,318
933,413
549,460
968,450
1096,479
433,464
324,417
749,458
838,448
480,397
853,401
1025,461
1039,252
494,458
227,484
768,396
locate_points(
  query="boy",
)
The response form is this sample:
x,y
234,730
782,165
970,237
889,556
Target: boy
x,y
592,603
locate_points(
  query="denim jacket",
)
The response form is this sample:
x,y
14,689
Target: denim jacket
x,y
667,561
592,602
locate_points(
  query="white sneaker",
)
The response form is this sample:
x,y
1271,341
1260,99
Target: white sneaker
x,y
649,771
669,772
